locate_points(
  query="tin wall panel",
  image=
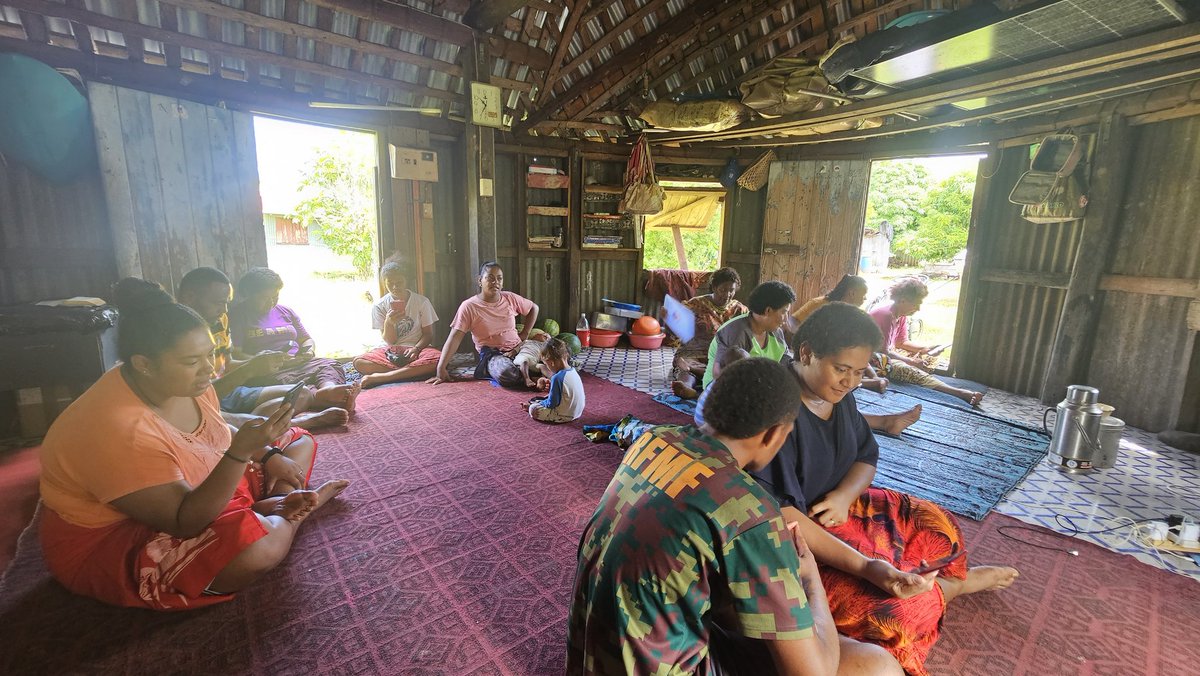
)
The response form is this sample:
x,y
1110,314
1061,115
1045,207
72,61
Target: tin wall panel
x,y
54,238
507,219
1011,327
545,282
1143,344
613,279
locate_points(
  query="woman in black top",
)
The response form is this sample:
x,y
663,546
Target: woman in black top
x,y
864,538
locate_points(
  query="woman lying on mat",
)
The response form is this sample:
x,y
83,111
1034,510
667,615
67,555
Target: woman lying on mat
x,y
258,323
489,316
900,357
208,292
405,319
712,310
865,538
152,502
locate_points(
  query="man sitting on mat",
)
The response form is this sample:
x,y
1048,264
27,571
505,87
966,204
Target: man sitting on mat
x,y
686,557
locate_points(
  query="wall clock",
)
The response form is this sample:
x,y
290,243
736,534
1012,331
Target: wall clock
x,y
485,105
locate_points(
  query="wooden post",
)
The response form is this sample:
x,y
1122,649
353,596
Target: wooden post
x,y
574,238
1075,338
480,144
988,167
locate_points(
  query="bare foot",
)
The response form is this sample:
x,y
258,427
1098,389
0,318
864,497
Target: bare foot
x,y
683,391
330,417
305,399
297,505
896,423
875,384
329,490
372,379
989,578
341,396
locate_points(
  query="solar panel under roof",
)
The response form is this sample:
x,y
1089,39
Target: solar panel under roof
x,y
1049,30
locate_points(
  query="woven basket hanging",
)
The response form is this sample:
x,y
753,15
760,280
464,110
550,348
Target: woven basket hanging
x,y
755,177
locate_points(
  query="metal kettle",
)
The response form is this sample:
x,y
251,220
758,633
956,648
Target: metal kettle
x,y
1075,441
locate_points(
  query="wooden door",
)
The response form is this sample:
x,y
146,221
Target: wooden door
x,y
813,224
180,183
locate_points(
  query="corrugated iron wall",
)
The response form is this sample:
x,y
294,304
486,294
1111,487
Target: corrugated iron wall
x,y
1144,360
617,280
1012,325
1143,344
54,238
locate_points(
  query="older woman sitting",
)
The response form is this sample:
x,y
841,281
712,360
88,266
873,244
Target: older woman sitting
x,y
867,540
712,310
152,502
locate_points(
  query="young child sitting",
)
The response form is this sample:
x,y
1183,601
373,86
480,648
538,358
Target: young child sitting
x,y
405,320
731,356
529,356
566,399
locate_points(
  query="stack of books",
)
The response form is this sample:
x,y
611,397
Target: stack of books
x,y
602,242
542,242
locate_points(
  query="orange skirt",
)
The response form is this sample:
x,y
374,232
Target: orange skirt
x,y
903,531
131,564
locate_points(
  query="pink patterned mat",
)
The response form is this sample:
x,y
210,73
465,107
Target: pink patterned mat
x,y
453,553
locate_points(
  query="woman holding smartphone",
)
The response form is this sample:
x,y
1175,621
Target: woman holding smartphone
x,y
874,545
404,319
151,500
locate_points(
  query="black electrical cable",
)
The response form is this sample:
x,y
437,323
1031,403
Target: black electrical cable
x,y
1065,523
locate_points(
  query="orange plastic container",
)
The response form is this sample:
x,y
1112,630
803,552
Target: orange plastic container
x,y
646,342
605,338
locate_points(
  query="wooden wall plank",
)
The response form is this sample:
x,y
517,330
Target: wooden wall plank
x,y
165,114
247,173
208,226
106,123
226,192
137,134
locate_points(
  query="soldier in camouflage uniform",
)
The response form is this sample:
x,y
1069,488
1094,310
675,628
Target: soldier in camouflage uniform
x,y
683,536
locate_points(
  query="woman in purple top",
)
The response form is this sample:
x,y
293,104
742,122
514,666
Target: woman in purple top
x,y
258,324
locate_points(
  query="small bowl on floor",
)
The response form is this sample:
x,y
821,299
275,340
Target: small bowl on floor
x,y
646,342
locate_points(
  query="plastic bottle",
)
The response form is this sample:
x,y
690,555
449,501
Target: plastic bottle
x,y
583,331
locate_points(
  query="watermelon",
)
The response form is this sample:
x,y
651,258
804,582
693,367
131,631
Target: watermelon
x,y
572,342
551,327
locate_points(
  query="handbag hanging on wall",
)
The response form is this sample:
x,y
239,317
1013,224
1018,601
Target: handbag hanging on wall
x,y
643,195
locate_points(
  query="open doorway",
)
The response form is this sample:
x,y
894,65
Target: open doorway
x,y
321,223
917,218
686,234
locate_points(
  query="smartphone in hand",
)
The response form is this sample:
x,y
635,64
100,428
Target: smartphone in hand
x,y
293,394
939,564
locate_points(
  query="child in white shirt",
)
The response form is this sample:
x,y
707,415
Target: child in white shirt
x,y
566,398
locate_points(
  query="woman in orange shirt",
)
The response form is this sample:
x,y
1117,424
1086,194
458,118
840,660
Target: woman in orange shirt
x,y
152,501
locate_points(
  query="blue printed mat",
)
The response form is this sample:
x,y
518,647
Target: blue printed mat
x,y
960,457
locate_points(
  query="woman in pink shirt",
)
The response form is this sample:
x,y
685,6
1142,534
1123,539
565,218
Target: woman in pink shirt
x,y
490,317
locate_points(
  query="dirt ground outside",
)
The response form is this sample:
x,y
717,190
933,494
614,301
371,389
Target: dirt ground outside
x,y
334,306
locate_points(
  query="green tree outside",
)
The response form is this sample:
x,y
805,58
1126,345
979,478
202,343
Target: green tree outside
x,y
898,189
703,247
339,203
940,229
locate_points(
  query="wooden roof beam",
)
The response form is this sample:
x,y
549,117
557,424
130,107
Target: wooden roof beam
x,y
138,30
629,23
679,34
437,28
206,88
645,51
487,14
287,28
1170,43
561,49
